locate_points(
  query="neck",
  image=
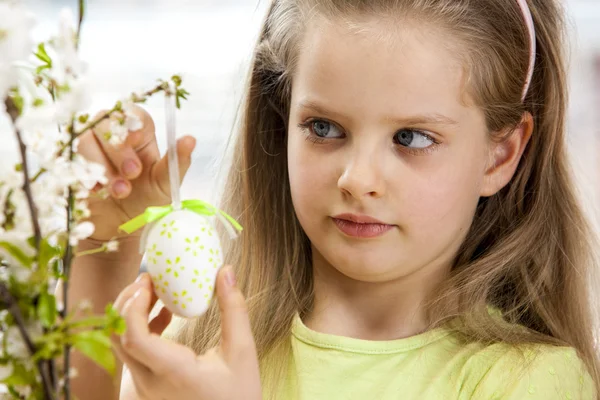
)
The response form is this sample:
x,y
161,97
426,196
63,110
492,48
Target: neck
x,y
388,310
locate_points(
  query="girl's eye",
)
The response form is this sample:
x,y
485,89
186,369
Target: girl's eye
x,y
413,139
322,129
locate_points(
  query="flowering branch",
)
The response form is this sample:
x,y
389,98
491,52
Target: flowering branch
x,y
67,268
13,112
12,306
44,217
81,13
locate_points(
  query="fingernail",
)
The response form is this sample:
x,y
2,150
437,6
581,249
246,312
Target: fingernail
x,y
120,187
230,277
130,168
139,278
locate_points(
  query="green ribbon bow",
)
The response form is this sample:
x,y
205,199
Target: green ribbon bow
x,y
155,213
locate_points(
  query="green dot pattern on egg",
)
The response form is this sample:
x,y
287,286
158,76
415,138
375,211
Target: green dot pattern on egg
x,y
183,255
169,229
153,254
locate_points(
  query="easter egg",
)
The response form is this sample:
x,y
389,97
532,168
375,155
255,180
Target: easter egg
x,y
183,256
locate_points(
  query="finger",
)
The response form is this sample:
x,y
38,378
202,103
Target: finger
x,y
139,372
237,340
144,141
160,172
161,321
160,356
138,151
91,150
122,156
143,280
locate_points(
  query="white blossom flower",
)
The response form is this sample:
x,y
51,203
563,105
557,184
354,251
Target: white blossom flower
x,y
15,41
82,210
89,173
40,133
80,231
112,246
20,273
73,373
117,132
132,120
37,118
86,305
15,346
74,100
66,44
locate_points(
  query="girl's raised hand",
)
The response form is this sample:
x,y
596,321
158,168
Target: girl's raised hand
x,y
165,370
137,175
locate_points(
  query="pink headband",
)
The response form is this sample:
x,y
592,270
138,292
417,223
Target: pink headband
x,y
531,28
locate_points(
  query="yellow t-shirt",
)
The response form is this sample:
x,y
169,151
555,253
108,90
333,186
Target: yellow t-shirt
x,y
433,365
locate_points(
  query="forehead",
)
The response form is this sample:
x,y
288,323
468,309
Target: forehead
x,y
402,67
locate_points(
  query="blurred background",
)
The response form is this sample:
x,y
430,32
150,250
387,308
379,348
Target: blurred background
x,y
130,43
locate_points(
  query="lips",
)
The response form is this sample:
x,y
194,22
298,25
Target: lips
x,y
361,226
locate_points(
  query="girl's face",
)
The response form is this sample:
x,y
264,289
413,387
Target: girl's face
x,y
378,130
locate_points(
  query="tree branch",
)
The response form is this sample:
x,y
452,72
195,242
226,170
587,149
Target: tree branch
x,y
12,306
13,112
68,258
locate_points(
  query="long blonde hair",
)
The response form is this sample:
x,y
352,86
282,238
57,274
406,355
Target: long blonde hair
x,y
529,249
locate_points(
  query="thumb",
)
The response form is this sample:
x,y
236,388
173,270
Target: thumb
x,y
185,147
237,342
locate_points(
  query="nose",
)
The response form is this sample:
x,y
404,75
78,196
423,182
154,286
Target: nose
x,y
362,175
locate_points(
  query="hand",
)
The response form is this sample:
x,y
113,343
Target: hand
x,y
164,370
138,177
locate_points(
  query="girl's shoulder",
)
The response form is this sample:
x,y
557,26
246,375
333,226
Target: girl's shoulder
x,y
536,371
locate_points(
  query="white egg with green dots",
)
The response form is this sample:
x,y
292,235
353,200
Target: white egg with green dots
x,y
183,256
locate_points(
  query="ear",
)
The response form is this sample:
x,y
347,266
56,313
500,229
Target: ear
x,y
505,157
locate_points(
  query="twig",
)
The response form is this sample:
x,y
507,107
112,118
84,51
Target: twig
x,y
81,9
101,118
13,112
14,310
68,257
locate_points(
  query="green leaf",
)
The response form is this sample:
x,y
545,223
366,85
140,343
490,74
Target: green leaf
x,y
20,375
41,68
48,350
47,309
84,118
110,310
56,269
177,80
119,326
116,322
89,322
42,55
16,253
47,253
97,346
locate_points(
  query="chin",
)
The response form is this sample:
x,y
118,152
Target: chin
x,y
362,265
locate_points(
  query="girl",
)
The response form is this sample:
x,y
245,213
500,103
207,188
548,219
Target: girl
x,y
411,229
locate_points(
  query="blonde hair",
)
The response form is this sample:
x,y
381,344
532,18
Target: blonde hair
x,y
529,249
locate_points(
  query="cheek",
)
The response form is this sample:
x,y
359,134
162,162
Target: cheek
x,y
445,196
310,175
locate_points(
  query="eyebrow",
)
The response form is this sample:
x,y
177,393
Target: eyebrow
x,y
431,118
